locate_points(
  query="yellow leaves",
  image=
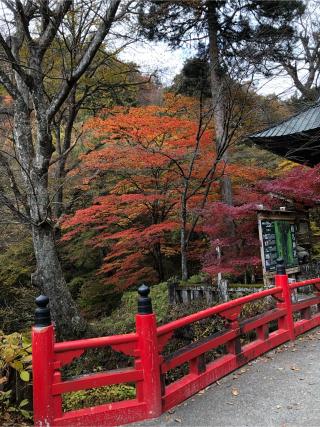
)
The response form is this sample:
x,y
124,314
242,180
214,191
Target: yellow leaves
x,y
170,251
285,166
8,354
15,353
17,365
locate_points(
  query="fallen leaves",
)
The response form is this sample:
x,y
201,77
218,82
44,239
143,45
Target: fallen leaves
x,y
234,391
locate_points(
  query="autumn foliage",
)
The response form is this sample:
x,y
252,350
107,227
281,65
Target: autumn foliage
x,y
143,157
153,178
300,184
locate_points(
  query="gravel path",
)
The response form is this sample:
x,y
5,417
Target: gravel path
x,y
280,388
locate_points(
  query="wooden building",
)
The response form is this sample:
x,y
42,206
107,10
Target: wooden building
x,y
287,233
296,138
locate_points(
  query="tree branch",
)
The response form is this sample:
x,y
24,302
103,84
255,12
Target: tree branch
x,y
86,59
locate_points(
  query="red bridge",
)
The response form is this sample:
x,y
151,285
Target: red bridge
x,y
153,396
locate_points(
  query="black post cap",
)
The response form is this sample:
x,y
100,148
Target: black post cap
x,y
281,268
42,312
144,301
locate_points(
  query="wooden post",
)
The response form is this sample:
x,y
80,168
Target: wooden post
x,y
146,328
281,281
42,364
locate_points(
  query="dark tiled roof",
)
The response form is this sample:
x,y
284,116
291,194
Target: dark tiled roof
x,y
297,138
306,120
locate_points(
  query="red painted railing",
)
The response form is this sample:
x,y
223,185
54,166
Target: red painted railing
x,y
153,396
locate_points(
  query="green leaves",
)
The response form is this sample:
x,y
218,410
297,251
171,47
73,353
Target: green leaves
x,y
15,358
25,376
23,403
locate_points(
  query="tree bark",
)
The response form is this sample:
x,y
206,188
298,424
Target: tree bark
x,y
217,83
183,240
63,148
49,279
158,261
25,82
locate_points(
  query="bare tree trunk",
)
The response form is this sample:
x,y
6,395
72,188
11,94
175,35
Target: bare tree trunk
x,y
49,278
217,93
60,174
24,80
183,241
158,261
63,148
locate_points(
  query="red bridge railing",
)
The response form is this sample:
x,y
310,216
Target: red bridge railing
x,y
153,396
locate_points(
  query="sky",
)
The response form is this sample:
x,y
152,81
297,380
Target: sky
x,y
157,57
160,58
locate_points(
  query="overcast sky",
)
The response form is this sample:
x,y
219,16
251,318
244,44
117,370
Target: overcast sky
x,y
158,57
151,57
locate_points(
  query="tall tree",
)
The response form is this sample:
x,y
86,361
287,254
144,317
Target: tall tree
x,y
28,32
107,81
226,32
299,58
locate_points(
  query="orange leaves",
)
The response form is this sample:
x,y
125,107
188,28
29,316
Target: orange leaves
x,y
142,163
149,128
247,173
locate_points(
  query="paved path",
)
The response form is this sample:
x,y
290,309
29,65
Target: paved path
x,y
281,388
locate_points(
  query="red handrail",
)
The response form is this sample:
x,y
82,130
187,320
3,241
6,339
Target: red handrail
x,y
169,327
308,282
95,342
153,396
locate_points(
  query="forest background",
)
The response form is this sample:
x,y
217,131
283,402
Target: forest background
x,y
110,179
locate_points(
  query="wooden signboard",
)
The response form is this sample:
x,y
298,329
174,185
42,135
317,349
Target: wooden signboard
x,y
278,240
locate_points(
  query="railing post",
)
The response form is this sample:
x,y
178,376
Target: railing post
x,y
281,281
42,364
146,328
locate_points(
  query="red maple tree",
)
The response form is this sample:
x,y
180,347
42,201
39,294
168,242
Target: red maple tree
x,y
238,252
154,162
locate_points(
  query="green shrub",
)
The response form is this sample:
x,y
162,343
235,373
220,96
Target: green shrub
x,y
254,308
15,367
196,279
17,263
97,299
122,320
247,286
93,397
10,412
16,292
